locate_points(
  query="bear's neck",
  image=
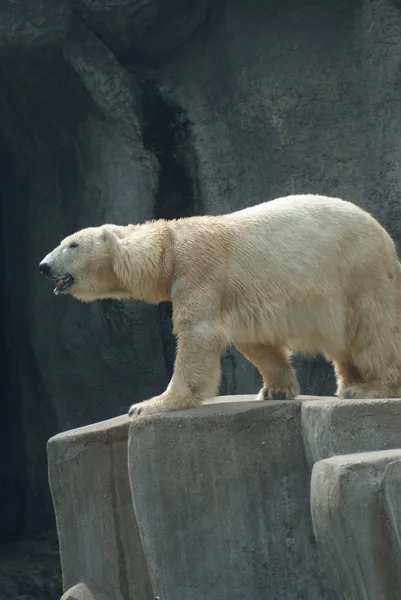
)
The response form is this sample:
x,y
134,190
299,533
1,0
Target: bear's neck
x,y
145,266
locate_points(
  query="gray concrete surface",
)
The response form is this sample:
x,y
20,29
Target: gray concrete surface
x,y
223,505
100,548
222,500
331,426
356,504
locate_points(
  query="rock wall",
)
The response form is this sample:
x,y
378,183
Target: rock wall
x,y
125,111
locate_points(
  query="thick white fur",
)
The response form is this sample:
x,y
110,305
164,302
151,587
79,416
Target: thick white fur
x,y
305,273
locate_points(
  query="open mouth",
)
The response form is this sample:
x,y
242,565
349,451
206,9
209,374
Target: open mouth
x,y
63,284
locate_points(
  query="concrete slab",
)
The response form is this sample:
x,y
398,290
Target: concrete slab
x,y
221,495
101,552
356,505
331,426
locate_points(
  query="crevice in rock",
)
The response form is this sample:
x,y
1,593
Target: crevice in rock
x,y
166,134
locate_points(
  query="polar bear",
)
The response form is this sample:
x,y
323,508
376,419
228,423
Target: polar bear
x,y
303,273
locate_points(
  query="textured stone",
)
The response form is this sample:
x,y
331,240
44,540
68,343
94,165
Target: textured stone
x,y
113,89
100,548
32,23
391,486
30,570
151,30
355,503
221,495
223,506
331,426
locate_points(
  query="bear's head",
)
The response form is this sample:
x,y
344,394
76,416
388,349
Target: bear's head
x,y
83,265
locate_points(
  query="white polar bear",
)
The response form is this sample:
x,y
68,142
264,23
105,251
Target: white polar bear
x,y
306,273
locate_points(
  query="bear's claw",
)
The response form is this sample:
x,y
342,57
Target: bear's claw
x,y
134,410
148,407
275,394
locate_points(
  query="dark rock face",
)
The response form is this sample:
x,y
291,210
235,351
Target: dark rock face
x,y
121,111
30,569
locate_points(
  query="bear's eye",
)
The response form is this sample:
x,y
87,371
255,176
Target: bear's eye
x,y
73,245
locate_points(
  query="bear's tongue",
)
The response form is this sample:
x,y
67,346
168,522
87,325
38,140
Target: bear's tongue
x,y
63,284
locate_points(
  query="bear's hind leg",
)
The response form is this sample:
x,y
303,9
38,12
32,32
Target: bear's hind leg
x,y
279,379
372,389
388,386
347,376
377,356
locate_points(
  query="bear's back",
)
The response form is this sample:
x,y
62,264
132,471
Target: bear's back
x,y
307,240
303,206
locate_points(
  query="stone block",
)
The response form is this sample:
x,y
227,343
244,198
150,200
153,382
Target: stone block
x,y
356,508
221,495
332,426
100,548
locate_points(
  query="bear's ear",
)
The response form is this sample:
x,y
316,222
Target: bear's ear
x,y
110,237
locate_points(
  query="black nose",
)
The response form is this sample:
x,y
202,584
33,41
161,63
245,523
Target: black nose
x,y
45,268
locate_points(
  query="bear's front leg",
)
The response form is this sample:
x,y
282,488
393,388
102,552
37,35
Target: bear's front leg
x,y
196,372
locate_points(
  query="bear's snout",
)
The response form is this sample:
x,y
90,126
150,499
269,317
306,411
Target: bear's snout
x,y
45,269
